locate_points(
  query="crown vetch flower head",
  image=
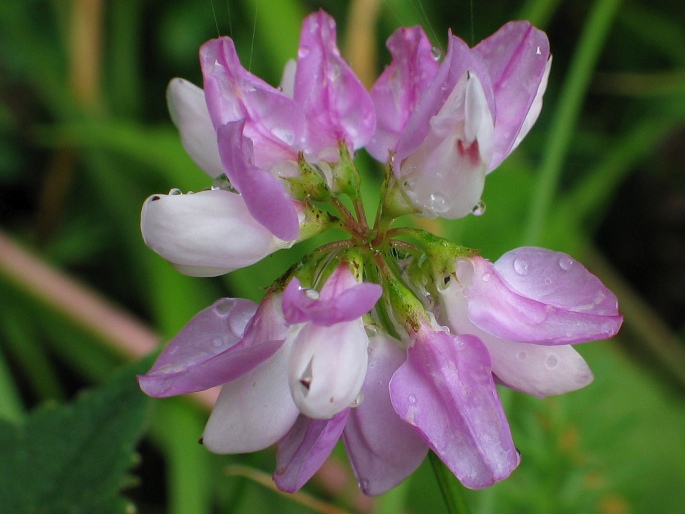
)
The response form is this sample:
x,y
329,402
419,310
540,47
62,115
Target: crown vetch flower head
x,y
392,339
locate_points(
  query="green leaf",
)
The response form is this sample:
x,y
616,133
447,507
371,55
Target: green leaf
x,y
73,458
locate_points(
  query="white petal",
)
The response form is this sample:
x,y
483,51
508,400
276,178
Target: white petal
x,y
205,234
189,113
327,367
288,78
536,369
254,411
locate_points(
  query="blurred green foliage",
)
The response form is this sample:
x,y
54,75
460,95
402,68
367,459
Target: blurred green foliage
x,y
85,138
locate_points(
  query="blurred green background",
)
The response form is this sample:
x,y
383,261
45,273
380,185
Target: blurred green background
x,y
85,137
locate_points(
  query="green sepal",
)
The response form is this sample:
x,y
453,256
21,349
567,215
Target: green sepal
x,y
315,221
309,184
346,178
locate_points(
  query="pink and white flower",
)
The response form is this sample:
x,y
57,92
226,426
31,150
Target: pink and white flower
x,y
447,125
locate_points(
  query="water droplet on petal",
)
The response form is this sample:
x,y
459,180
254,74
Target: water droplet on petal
x,y
371,330
302,52
548,281
411,399
439,203
437,53
521,266
312,294
486,277
175,191
551,361
222,182
479,208
217,342
223,307
538,51
521,356
565,262
364,485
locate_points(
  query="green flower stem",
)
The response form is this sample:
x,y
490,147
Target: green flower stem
x,y
451,489
566,115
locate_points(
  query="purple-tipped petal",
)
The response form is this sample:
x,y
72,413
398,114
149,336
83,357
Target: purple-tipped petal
x,y
341,299
265,196
398,89
207,233
531,297
305,448
555,278
335,104
534,369
516,56
327,367
189,113
460,60
189,362
446,391
253,411
273,121
383,449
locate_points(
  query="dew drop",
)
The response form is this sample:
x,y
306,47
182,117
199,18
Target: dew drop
x,y
364,485
521,356
548,281
302,52
479,208
175,192
371,330
217,342
521,266
358,400
312,294
437,53
411,399
222,182
551,361
439,203
538,51
223,307
486,277
565,262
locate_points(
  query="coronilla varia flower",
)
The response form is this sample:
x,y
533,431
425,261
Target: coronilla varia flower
x,y
392,340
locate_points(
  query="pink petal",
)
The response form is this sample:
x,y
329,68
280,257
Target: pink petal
x,y
253,411
446,391
341,299
305,448
531,297
383,449
189,113
274,122
265,196
557,279
516,57
398,89
195,358
335,104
